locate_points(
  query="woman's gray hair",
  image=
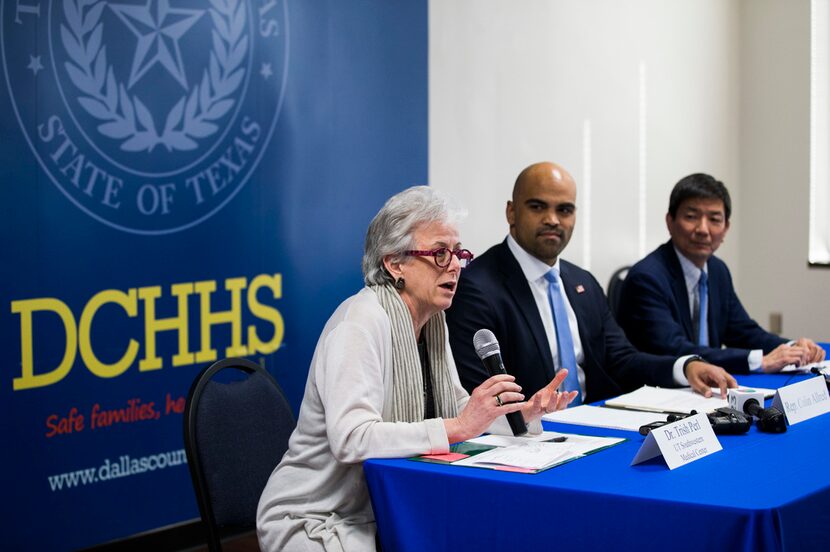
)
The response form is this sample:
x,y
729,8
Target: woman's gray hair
x,y
392,231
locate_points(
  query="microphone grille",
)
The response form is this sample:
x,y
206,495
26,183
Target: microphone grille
x,y
485,343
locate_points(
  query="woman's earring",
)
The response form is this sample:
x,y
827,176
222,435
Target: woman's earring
x,y
400,283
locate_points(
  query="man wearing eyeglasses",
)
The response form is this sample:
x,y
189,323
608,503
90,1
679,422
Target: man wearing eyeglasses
x,y
549,314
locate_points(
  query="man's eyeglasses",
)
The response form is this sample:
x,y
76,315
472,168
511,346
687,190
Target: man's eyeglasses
x,y
443,256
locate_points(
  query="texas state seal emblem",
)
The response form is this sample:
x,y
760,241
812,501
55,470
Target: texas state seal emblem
x,y
149,115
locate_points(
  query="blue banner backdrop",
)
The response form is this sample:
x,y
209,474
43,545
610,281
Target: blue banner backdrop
x,y
182,181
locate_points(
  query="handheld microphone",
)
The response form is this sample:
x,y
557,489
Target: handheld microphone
x,y
749,401
487,349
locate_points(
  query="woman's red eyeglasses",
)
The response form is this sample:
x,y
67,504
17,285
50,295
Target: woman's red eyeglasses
x,y
443,256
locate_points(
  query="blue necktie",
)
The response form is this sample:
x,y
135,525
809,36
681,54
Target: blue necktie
x,y
703,298
564,340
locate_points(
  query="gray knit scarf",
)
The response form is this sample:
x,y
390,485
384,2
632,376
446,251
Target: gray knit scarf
x,y
407,379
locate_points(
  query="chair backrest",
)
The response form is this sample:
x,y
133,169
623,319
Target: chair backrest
x,y
614,288
235,434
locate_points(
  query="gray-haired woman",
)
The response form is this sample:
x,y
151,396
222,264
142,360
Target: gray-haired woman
x,y
382,383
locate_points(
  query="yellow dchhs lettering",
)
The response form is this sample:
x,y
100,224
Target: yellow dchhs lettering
x,y
232,317
126,301
264,312
79,337
153,325
28,379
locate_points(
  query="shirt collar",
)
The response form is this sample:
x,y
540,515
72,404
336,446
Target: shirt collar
x,y
691,272
532,267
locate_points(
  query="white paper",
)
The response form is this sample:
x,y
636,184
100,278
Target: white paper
x,y
534,452
508,440
803,400
806,367
648,450
681,401
531,455
768,393
597,416
584,444
680,442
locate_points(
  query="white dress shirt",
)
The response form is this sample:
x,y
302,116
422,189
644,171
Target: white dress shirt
x,y
535,270
691,273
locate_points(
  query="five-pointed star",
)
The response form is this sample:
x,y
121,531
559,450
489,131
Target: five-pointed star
x,y
158,28
266,71
34,64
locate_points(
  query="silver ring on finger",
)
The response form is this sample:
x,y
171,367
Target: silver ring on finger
x,y
498,401
554,400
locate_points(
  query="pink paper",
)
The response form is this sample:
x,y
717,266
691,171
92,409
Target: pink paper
x,y
513,469
447,457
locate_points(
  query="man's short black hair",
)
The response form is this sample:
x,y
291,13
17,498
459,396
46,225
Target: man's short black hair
x,y
699,186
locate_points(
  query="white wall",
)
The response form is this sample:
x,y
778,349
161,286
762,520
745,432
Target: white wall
x,y
512,83
663,90
775,170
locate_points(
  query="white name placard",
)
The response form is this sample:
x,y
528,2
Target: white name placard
x,y
803,400
680,442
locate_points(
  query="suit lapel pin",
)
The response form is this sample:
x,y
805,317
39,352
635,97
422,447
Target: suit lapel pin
x,y
580,288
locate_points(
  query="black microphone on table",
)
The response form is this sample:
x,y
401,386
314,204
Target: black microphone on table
x,y
823,370
487,349
770,420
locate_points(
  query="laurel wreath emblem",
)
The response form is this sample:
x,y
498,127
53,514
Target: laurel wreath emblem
x,y
126,118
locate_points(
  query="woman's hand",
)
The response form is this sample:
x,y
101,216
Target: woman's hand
x,y
487,402
548,399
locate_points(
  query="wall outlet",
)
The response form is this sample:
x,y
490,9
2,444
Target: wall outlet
x,y
776,323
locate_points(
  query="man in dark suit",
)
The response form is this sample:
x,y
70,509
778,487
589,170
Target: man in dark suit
x,y
515,290
680,298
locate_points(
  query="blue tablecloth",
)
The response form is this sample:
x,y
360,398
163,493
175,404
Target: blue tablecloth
x,y
762,492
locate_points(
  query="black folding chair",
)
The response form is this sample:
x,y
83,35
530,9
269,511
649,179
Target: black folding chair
x,y
614,289
235,434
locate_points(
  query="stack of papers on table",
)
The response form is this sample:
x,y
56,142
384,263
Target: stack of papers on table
x,y
526,454
579,444
672,401
806,367
530,456
598,416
